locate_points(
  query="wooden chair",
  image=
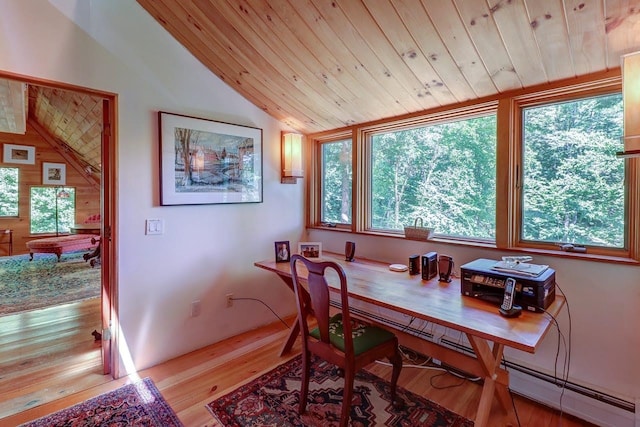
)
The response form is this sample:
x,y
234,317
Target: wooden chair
x,y
338,339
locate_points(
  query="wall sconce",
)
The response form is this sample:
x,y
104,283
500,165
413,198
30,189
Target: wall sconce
x,y
291,157
631,105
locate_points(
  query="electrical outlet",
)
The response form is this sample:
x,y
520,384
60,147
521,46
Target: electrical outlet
x,y
229,300
195,308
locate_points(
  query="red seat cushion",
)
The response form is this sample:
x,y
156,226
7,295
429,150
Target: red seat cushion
x,y
62,244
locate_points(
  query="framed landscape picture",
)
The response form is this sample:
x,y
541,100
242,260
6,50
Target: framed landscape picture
x,y
21,154
205,161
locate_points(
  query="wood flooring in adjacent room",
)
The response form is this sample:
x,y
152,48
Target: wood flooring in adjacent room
x,y
191,381
47,354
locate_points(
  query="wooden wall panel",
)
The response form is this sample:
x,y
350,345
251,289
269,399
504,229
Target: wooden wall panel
x,y
87,196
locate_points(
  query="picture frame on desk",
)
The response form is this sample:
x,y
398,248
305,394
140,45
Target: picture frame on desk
x,y
205,161
283,251
310,249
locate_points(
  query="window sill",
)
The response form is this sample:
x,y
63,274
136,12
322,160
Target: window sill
x,y
491,246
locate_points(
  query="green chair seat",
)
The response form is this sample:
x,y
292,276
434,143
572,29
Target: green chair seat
x,y
364,336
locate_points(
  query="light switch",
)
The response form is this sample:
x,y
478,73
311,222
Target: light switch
x,y
154,226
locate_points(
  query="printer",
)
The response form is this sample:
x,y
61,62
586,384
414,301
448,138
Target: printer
x,y
482,279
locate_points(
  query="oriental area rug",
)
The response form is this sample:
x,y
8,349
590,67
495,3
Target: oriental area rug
x,y
137,404
272,400
43,282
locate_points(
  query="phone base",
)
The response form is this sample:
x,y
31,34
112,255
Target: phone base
x,y
515,311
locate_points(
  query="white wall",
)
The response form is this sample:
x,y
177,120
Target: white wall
x,y
603,300
206,251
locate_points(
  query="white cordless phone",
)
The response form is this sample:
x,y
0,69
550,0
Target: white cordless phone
x,y
509,291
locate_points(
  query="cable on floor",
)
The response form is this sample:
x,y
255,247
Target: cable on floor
x,y
263,303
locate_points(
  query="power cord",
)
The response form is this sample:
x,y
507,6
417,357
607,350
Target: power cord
x,y
426,364
513,401
566,366
442,374
263,303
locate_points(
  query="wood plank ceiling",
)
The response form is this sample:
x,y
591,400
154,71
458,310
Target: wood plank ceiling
x,y
318,65
71,122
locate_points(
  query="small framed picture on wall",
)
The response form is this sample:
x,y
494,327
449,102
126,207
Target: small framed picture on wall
x,y
21,154
283,251
54,173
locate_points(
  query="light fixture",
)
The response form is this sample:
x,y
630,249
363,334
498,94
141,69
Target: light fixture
x,y
291,157
631,105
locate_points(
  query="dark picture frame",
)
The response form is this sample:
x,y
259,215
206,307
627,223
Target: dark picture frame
x,y
205,161
282,251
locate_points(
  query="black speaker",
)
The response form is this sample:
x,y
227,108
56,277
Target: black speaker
x,y
349,251
445,268
429,265
414,265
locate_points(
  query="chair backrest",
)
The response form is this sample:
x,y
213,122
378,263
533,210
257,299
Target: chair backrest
x,y
316,300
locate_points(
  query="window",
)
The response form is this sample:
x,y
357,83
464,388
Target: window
x,y
8,191
526,171
443,173
53,209
573,185
337,182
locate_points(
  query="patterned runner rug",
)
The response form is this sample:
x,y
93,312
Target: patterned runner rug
x,y
272,400
137,404
43,282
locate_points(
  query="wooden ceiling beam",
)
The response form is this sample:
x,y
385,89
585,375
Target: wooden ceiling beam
x,y
68,155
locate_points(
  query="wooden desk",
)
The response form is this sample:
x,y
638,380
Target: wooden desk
x,y
442,304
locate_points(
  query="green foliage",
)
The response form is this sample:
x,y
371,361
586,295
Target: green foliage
x,y
337,181
45,201
9,191
573,183
443,173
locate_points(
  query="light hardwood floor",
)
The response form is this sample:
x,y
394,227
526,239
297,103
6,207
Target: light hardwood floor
x,y
31,386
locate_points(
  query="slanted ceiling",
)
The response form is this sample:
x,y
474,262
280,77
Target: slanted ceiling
x,y
318,65
71,122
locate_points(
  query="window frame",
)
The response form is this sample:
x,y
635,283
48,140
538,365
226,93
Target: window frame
x,y
321,168
509,152
542,99
444,117
316,180
55,189
17,215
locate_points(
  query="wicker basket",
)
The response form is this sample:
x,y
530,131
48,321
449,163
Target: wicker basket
x,y
417,232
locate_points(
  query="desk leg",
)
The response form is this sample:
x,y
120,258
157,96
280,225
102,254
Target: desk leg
x,y
490,362
295,329
293,335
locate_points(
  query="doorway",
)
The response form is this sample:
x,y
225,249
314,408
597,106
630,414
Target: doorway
x,y
98,166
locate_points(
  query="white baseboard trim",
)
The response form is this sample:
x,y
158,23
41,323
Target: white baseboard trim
x,y
573,403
